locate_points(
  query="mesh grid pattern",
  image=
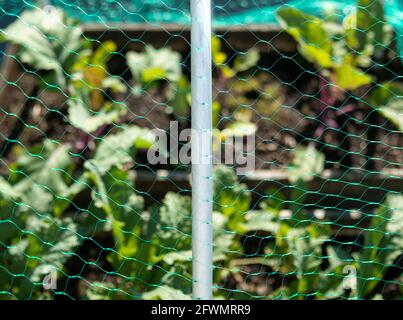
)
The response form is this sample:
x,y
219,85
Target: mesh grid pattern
x,y
85,214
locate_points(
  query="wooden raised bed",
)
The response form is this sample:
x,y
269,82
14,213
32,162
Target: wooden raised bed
x,y
333,189
355,189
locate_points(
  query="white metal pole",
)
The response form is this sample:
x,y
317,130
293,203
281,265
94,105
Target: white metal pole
x,y
201,69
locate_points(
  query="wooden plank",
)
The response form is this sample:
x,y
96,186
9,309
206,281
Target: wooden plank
x,y
242,37
174,27
333,189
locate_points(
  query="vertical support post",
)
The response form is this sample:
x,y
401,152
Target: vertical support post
x,y
201,140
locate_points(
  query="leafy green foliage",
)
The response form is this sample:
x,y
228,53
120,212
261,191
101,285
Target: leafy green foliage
x,y
43,176
41,219
242,62
43,245
147,243
349,78
175,222
180,103
10,218
306,164
387,98
41,187
319,46
153,65
309,31
372,33
161,69
82,117
119,148
311,266
48,41
155,246
383,244
394,112
90,76
88,109
296,252
299,247
242,78
52,42
230,197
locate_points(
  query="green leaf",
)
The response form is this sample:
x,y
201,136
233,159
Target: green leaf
x,y
218,56
306,164
393,111
348,77
7,192
114,193
177,257
383,243
154,64
102,291
394,245
259,220
337,256
82,117
90,78
245,61
309,32
330,284
274,200
372,29
230,197
222,237
115,84
43,247
387,98
46,165
180,103
65,199
53,241
316,55
10,219
216,111
222,241
153,74
305,251
175,223
118,149
49,41
386,92
42,175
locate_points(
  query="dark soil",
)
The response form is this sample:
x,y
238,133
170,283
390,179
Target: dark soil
x,y
148,110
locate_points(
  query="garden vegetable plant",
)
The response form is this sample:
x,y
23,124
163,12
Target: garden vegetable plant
x,y
73,217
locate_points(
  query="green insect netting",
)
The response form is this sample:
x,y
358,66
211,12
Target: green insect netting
x,y
307,117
